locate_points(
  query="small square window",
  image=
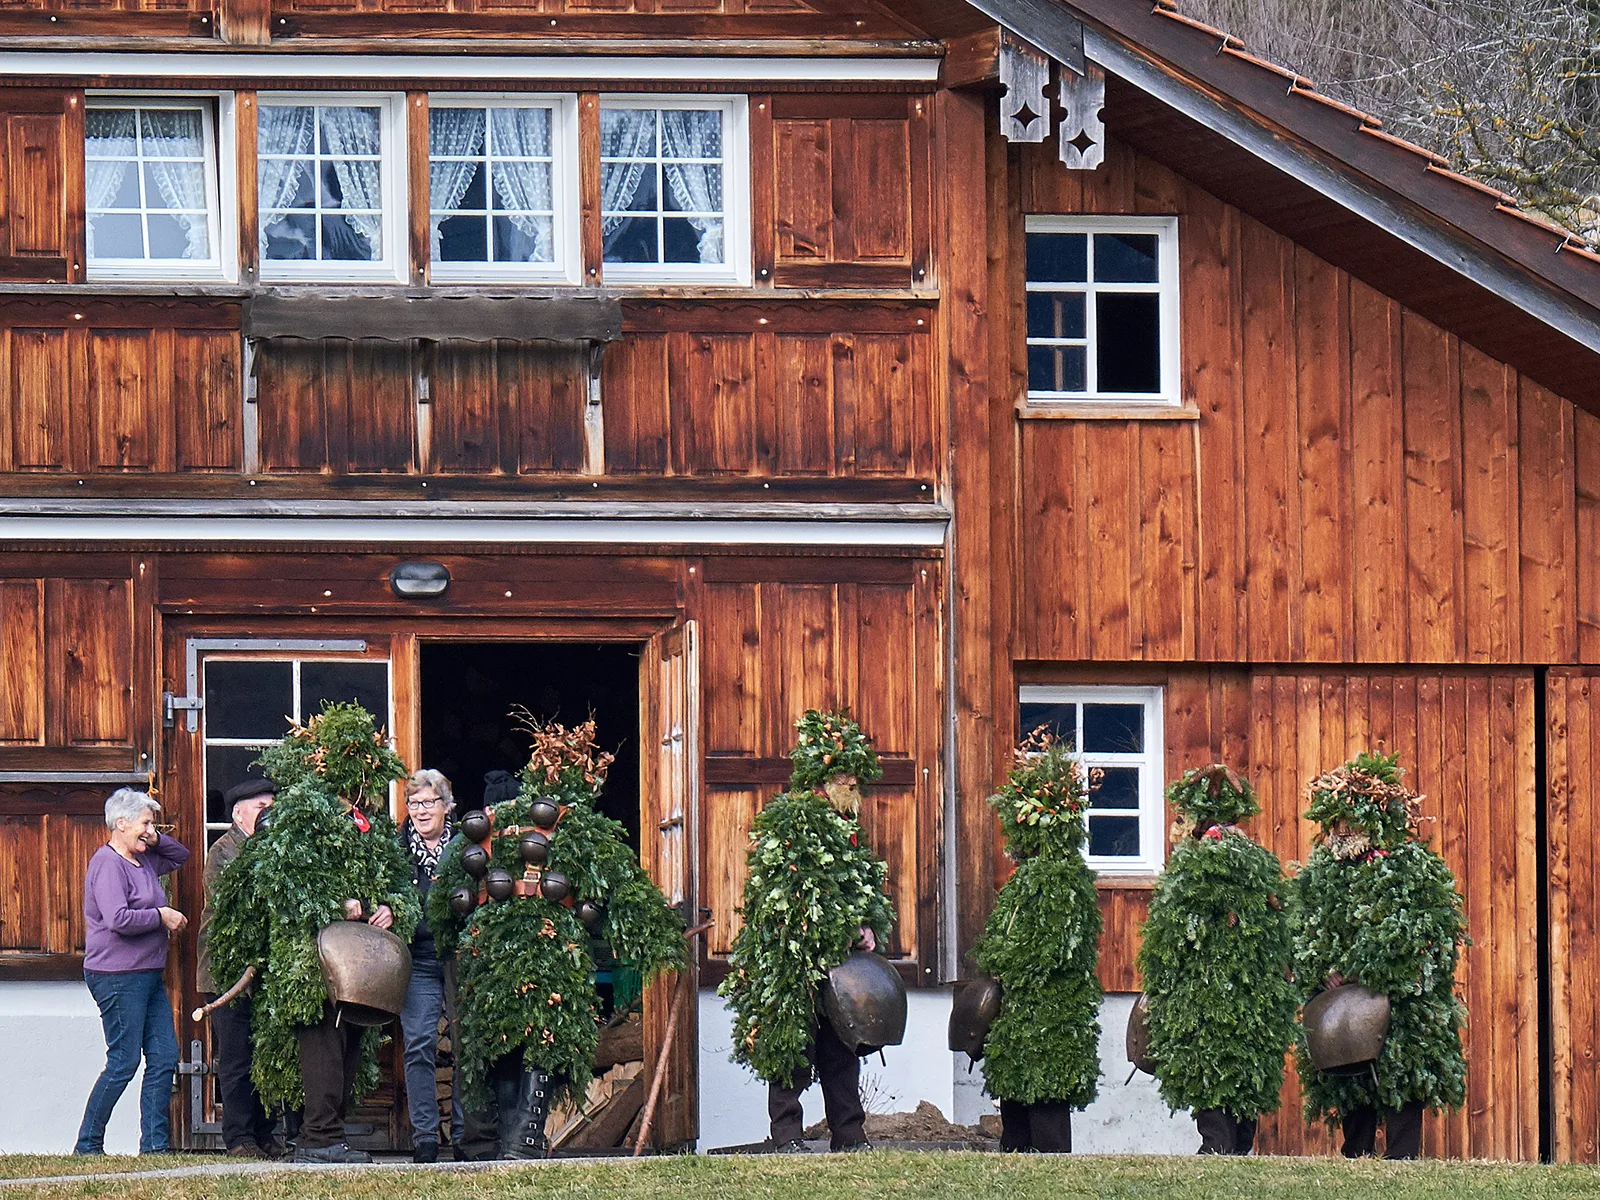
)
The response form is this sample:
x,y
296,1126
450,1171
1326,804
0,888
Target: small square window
x,y
1102,309
151,188
1116,734
673,197
329,184
501,199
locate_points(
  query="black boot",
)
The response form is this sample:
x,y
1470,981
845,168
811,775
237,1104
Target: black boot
x,y
527,1126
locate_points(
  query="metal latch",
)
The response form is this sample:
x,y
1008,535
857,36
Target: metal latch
x,y
196,1067
170,705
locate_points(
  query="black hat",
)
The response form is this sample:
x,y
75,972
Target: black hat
x,y
248,790
500,786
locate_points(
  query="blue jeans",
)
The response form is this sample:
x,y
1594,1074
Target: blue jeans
x,y
419,1031
138,1022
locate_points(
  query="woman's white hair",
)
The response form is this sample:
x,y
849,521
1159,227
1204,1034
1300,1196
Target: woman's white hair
x,y
128,804
427,777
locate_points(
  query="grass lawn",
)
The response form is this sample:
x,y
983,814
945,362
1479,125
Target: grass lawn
x,y
20,1166
878,1176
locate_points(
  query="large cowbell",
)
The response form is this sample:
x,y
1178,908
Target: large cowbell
x,y
864,1000
366,970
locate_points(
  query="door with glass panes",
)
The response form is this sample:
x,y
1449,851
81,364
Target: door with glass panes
x,y
250,690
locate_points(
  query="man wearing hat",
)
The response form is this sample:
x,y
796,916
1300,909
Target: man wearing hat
x,y
246,1126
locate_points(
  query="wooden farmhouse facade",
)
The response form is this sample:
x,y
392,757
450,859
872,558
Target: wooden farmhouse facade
x,y
695,362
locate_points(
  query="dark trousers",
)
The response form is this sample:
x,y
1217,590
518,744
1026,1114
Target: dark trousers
x,y
1045,1127
330,1053
1402,1130
1223,1133
835,1066
244,1120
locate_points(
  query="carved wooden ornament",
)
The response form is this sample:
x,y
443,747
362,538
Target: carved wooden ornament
x,y
1025,74
1083,133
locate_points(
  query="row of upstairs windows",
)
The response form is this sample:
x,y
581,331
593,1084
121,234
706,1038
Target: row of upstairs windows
x,y
331,188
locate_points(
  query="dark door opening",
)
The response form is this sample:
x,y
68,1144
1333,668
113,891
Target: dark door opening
x,y
469,689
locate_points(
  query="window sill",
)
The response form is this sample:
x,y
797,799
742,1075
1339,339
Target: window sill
x,y
1140,882
1096,410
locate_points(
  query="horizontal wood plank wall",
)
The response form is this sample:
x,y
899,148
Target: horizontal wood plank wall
x,y
1359,485
1572,748
1467,741
770,651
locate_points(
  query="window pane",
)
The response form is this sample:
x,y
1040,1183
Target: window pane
x,y
684,242
286,129
113,185
464,239
178,237
627,133
1118,788
1113,728
352,239
628,188
226,766
1056,368
172,132
116,235
1114,837
109,132
450,184
632,241
1058,257
293,236
1125,258
520,133
345,131
351,185
455,131
1055,315
248,699
523,239
175,185
1128,353
691,133
522,187
364,683
1059,719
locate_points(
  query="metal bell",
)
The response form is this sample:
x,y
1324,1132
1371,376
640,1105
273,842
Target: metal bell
x,y
1137,1040
475,825
864,1000
264,819
973,1009
500,884
544,814
1346,1028
591,913
475,861
555,886
462,901
534,848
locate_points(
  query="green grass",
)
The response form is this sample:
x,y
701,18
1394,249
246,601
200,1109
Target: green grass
x,y
24,1166
878,1176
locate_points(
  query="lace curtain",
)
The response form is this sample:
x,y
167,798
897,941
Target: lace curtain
x,y
170,136
357,131
524,187
451,131
108,132
696,187
282,131
624,133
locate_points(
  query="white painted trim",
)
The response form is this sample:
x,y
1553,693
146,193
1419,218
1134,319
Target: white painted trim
x,y
505,531
652,70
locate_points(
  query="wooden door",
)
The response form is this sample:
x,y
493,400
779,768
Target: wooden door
x,y
229,697
669,688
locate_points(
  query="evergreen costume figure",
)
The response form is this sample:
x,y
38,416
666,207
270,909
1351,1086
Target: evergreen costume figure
x,y
325,851
1042,943
1215,963
1379,908
520,918
814,892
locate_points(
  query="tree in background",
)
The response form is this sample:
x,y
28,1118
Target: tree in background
x,y
1508,90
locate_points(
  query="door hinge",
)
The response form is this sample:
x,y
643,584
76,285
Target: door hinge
x,y
171,705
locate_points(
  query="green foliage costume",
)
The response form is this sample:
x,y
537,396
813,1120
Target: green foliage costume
x,y
1215,962
329,839
1042,941
812,884
1380,908
526,964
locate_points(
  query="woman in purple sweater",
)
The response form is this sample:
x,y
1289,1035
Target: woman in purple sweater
x,y
125,952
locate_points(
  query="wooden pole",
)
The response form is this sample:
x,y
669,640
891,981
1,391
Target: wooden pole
x,y
666,1048
245,981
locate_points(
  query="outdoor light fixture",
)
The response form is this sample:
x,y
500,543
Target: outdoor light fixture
x,y
419,580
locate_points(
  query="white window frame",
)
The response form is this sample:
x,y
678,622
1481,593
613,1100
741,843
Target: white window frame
x,y
735,269
395,265
1151,762
565,171
1166,286
222,194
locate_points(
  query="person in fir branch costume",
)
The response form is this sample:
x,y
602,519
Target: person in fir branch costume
x,y
814,892
1215,958
1042,942
527,1010
1379,908
330,852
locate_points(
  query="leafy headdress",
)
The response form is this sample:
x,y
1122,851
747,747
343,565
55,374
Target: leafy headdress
x,y
1367,794
1207,797
1041,804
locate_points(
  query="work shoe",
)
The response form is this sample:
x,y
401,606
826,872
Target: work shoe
x,y
854,1147
339,1152
792,1146
425,1150
246,1150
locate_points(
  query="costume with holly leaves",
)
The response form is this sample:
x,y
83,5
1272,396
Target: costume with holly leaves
x,y
329,839
1214,957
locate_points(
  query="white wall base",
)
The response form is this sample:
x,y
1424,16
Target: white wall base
x,y
54,1051
1127,1118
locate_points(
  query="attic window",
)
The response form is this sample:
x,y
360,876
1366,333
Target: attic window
x,y
1102,302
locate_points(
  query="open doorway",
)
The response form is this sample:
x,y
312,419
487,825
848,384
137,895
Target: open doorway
x,y
469,689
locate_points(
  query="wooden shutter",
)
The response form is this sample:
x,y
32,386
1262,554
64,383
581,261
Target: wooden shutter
x,y
41,184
